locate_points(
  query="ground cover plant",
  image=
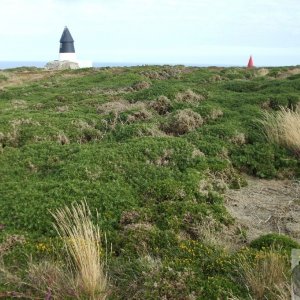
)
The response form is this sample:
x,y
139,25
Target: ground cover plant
x,y
151,150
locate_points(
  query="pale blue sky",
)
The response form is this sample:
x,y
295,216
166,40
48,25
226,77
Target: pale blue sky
x,y
209,32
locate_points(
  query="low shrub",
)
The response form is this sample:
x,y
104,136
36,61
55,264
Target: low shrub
x,y
257,159
243,86
288,101
276,102
274,240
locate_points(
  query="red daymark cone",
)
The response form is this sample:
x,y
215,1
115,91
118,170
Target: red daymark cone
x,y
250,62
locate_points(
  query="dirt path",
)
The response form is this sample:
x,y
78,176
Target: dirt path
x,y
266,206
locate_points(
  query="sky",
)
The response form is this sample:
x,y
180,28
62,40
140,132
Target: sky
x,y
191,32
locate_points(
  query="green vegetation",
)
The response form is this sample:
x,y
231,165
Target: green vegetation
x,y
265,274
274,240
152,149
2,77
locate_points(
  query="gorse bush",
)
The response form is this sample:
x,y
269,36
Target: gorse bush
x,y
274,241
283,127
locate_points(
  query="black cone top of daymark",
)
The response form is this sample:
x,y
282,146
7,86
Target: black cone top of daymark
x,y
66,42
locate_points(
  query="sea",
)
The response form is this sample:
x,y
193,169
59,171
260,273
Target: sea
x,y
41,64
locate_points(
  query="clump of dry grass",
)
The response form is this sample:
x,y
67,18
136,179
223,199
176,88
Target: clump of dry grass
x,y
189,96
118,106
129,217
12,138
197,153
162,105
184,121
51,280
215,78
83,125
165,158
19,122
87,131
139,116
266,276
262,72
209,231
283,128
216,113
42,280
152,75
62,139
166,73
138,86
83,244
10,242
62,109
239,138
22,104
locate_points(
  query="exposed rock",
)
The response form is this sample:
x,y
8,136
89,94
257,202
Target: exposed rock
x,y
61,65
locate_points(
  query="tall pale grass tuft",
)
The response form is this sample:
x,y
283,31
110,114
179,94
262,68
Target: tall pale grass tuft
x,y
267,276
283,128
82,242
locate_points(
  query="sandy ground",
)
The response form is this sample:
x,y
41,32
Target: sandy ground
x,y
266,206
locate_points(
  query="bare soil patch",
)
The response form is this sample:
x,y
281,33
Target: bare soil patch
x,y
266,206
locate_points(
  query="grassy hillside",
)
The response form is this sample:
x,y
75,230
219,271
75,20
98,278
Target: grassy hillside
x,y
152,149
